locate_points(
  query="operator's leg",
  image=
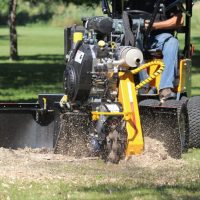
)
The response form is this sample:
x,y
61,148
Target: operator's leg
x,y
169,46
170,58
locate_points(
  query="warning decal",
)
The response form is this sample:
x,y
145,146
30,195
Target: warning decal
x,y
79,56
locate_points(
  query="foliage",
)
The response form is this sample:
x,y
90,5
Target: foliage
x,y
73,14
4,6
3,11
33,11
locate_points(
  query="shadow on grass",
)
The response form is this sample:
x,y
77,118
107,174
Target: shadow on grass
x,y
117,191
196,61
39,57
53,58
4,37
36,72
44,73
29,74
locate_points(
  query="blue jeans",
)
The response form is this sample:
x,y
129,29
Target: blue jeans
x,y
170,47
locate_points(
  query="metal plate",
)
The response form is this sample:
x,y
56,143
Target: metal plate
x,y
19,130
162,124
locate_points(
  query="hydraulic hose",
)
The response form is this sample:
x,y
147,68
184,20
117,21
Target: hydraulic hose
x,y
151,77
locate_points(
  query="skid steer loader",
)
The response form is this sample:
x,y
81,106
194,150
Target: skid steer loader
x,y
107,109
105,95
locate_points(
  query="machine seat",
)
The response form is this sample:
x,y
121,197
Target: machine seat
x,y
155,53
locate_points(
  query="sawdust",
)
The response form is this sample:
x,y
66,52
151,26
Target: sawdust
x,y
154,156
69,140
34,164
42,164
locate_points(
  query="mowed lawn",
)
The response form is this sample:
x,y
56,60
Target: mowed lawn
x,y
41,65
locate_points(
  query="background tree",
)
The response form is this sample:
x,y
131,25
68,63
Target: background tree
x,y
13,30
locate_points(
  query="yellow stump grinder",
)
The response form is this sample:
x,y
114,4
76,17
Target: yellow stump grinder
x,y
107,108
104,60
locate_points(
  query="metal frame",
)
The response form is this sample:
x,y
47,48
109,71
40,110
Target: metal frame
x,y
189,4
117,5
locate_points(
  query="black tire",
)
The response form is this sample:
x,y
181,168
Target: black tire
x,y
149,102
193,107
183,121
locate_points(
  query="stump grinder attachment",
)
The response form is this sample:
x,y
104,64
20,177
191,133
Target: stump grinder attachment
x,y
107,62
117,127
111,99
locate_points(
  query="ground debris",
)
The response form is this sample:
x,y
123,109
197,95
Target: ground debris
x,y
43,164
155,155
73,137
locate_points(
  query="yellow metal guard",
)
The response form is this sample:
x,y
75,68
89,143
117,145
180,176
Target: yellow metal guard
x,y
77,36
128,98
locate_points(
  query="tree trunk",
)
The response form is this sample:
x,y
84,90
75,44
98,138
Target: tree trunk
x,y
13,31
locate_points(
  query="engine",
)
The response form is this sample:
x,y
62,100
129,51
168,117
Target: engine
x,y
95,54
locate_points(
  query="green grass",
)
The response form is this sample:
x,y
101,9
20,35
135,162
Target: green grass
x,y
196,57
192,155
34,40
40,67
96,180
61,190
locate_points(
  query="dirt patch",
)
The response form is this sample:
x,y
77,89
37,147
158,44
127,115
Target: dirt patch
x,y
154,156
41,164
35,164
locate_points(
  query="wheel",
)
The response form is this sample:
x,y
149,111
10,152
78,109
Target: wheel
x,y
149,102
194,121
183,123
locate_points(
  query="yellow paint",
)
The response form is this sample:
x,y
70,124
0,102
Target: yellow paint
x,y
182,77
45,103
128,99
77,36
127,96
96,115
101,43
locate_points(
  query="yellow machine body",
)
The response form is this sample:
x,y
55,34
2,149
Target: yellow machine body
x,y
128,99
183,78
127,96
